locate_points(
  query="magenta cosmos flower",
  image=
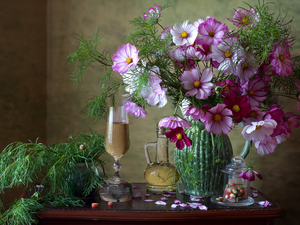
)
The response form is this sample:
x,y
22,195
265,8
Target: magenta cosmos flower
x,y
243,18
297,83
135,110
239,107
177,135
249,174
229,88
258,131
173,122
125,57
218,119
254,91
212,31
254,116
197,84
281,61
184,33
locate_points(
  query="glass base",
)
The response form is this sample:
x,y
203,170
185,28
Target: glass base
x,y
160,188
116,191
245,202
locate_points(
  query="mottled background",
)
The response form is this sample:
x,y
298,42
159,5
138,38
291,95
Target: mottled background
x,y
37,99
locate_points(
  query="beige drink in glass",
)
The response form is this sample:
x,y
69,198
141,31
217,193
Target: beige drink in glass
x,y
117,139
117,144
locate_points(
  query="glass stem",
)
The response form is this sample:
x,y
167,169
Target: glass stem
x,y
117,167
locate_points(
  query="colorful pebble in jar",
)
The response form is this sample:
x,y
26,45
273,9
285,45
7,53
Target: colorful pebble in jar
x,y
235,193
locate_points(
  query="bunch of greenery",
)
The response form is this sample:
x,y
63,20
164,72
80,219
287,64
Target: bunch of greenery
x,y
48,170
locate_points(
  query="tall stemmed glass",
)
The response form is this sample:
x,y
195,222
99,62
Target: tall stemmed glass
x,y
117,144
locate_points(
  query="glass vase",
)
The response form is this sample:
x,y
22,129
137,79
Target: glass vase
x,y
200,165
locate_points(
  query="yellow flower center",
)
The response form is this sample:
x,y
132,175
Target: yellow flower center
x,y
179,136
184,34
281,58
226,88
288,121
246,65
250,92
217,117
128,60
197,84
253,114
258,127
236,108
228,54
245,20
211,34
204,110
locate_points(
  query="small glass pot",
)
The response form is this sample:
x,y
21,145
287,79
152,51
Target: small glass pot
x,y
236,189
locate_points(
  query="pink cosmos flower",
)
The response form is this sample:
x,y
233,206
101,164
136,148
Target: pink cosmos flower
x,y
173,122
196,83
194,112
165,33
178,54
281,61
266,146
291,121
205,52
154,93
135,110
254,116
249,174
212,31
246,69
125,57
258,131
228,53
198,22
254,91
229,88
205,109
218,119
243,18
239,107
177,135
184,33
153,13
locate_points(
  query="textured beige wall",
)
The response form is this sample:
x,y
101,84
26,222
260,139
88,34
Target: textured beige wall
x,y
65,18
23,74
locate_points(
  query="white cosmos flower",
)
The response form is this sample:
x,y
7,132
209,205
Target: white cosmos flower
x,y
184,33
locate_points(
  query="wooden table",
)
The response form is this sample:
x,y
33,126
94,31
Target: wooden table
x,y
139,212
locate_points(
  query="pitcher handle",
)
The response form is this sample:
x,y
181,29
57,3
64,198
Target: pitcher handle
x,y
246,149
146,151
247,146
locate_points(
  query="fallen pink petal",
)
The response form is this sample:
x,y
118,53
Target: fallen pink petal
x,y
194,205
176,201
148,200
265,203
137,195
174,206
146,195
160,203
202,207
183,205
164,199
136,186
169,192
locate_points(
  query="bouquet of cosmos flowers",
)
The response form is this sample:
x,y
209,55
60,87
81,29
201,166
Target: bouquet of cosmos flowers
x,y
219,76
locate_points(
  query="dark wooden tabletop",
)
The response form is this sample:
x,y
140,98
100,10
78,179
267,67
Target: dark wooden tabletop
x,y
139,211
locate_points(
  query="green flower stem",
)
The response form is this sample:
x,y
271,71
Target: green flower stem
x,y
175,111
